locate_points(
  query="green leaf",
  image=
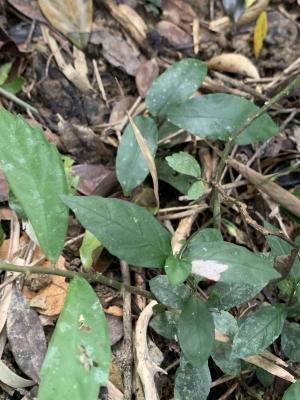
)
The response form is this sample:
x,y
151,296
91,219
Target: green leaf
x,y
167,294
124,229
14,86
131,166
180,182
227,295
221,352
264,377
89,246
219,116
4,72
175,85
259,330
232,261
177,269
165,324
290,341
205,235
184,163
35,174
293,392
196,331
195,191
78,357
192,383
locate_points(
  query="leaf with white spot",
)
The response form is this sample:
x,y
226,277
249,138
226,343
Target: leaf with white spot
x,y
78,358
196,331
192,383
36,176
240,262
219,115
259,330
131,166
124,229
208,269
175,85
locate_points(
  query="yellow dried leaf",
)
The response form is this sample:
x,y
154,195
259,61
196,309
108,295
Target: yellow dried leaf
x,y
73,18
249,3
260,32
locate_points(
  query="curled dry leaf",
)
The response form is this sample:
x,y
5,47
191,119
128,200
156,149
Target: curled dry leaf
x,y
26,336
145,75
176,36
236,63
50,299
178,10
73,18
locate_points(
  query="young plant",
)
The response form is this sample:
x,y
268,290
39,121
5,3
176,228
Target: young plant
x,y
77,361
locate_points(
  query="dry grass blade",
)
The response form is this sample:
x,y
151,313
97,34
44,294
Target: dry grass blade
x,y
271,367
281,196
148,157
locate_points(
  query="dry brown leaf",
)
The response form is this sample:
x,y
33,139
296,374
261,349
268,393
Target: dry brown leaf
x,y
145,75
28,8
94,178
129,19
148,157
80,81
114,310
176,36
73,18
178,10
235,63
52,296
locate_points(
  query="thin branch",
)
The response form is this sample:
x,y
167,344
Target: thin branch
x,y
231,141
19,102
91,277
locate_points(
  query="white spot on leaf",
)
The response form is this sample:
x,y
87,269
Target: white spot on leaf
x,y
208,269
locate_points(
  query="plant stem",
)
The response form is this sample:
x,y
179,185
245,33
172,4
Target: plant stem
x,y
18,101
231,141
91,277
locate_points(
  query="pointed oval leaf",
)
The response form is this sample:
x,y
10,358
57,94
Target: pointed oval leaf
x,y
259,330
234,262
290,341
73,18
195,191
167,294
165,324
219,116
192,383
125,229
175,85
78,357
177,269
35,174
184,163
293,392
196,331
131,166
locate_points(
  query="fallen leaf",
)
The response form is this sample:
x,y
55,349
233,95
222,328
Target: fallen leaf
x,y
145,75
119,112
26,336
115,326
4,189
179,10
11,379
236,63
118,52
51,297
114,310
83,143
176,36
28,8
260,32
95,179
234,8
73,18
